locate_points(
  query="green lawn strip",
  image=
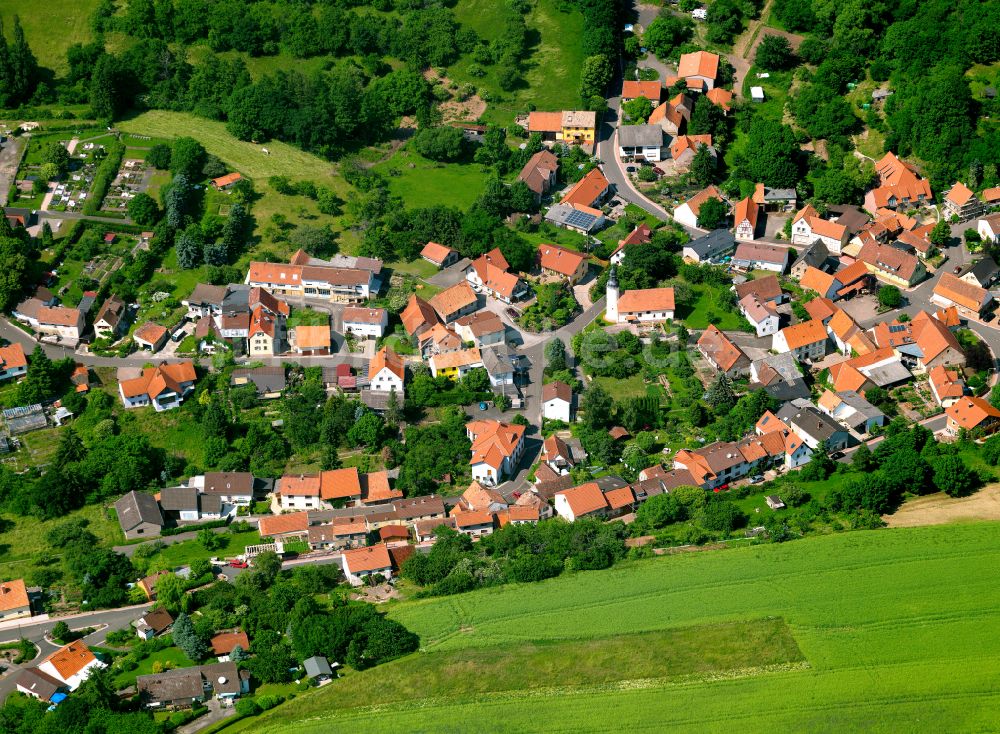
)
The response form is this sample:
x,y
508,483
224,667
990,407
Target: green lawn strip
x,y
564,664
187,551
307,317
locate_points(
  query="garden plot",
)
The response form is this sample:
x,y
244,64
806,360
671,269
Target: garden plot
x,y
133,178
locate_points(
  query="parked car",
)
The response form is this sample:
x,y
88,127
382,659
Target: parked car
x,y
239,564
957,270
756,479
513,313
837,455
630,169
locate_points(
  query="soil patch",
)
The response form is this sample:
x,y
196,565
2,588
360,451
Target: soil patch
x,y
939,509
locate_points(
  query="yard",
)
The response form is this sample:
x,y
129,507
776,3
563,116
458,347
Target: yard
x,y
170,657
188,551
706,310
422,182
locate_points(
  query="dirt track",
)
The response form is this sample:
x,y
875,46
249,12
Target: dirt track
x,y
938,509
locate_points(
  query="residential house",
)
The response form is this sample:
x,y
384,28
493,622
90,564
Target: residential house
x,y
813,426
299,492
722,353
762,315
150,336
700,69
335,536
851,410
539,173
42,686
71,664
557,455
376,489
961,202
182,504
683,149
713,465
477,498
360,564
900,186
757,256
497,449
13,362
989,228
483,329
573,127
425,530
651,90
518,515
917,242
641,235
223,643
808,227
559,262
231,487
575,217
317,668
711,247
184,687
806,340
972,414
58,321
991,196
475,524
386,372
586,500
164,387
205,300
557,401
14,601
640,141
418,316
288,525
265,333
882,368
312,340
369,323
269,381
848,336
455,365
589,191
947,385
721,98
534,501
489,273
687,214
814,256
670,117
949,317
147,584
983,273
139,515
440,255
646,305
224,183
745,216
499,365
766,289
110,320
308,277
821,308
620,501
891,265
779,376
968,298
153,623
774,200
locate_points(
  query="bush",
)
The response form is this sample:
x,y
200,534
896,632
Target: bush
x,y
106,173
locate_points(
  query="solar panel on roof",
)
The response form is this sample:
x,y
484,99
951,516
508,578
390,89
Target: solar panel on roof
x,y
896,328
580,219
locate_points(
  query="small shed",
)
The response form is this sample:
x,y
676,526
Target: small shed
x,y
318,668
774,502
757,94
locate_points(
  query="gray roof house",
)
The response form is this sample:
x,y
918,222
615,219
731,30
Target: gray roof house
x,y
38,684
814,426
269,381
185,686
711,246
643,141
498,366
815,255
982,273
317,668
139,515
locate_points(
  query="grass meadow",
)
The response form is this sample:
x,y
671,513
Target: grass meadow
x,y
51,27
422,183
894,627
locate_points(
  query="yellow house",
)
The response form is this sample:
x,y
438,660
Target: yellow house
x,y
579,126
454,365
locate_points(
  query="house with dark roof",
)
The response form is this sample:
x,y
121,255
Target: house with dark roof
x,y
710,247
139,515
268,381
814,426
152,623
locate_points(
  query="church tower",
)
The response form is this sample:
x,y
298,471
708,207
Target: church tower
x,y
611,312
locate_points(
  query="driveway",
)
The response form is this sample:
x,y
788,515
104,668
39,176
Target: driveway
x,y
450,275
216,713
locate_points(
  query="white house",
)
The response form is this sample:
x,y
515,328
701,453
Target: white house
x,y
989,228
805,340
758,256
687,213
640,141
762,315
71,664
365,322
557,401
360,563
497,449
587,500
646,305
163,387
386,372
808,226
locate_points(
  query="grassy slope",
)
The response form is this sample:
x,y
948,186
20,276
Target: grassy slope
x,y
890,622
421,182
51,28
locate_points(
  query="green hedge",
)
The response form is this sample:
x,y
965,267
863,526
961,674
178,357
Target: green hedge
x,y
199,526
106,173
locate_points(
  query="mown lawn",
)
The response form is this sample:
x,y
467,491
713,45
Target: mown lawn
x,y
172,655
188,551
706,310
52,28
890,622
629,387
422,182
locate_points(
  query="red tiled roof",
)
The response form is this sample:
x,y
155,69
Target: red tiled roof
x,y
435,252
588,189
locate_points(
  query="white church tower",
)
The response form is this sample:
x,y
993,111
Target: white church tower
x,y
611,312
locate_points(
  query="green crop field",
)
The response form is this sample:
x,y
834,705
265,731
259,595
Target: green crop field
x,y
894,625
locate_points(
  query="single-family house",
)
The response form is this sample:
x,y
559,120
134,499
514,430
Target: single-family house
x,y
455,365
60,321
14,600
334,536
152,623
288,524
586,500
961,202
722,353
13,362
641,235
489,273
557,401
808,227
164,387
560,262
848,336
762,315
806,340
983,273
312,339
710,247
369,323
539,173
687,214
651,90
575,217
474,523
972,414
139,515
700,69
989,228
71,664
110,320
223,643
745,216
224,183
765,290
640,141
42,686
497,449
360,564
713,465
968,298
589,191
483,329
269,381
671,118
946,385
721,98
418,316
892,265
813,426
900,186
758,256
317,668
439,254
184,687
346,280
499,365
150,336
812,256
851,410
774,200
779,376
684,147
386,372
557,455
